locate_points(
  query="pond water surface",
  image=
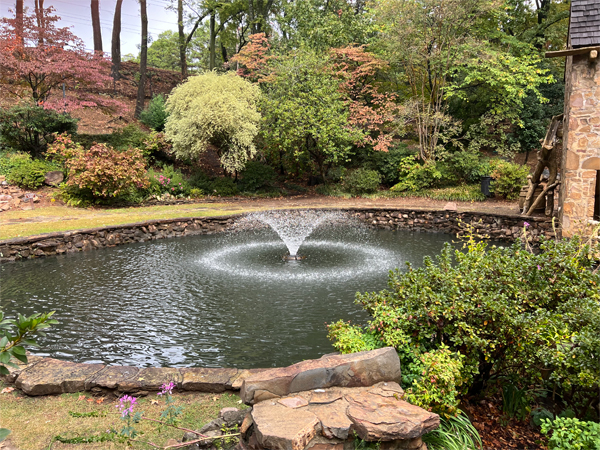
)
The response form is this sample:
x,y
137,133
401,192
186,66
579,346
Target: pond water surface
x,y
226,300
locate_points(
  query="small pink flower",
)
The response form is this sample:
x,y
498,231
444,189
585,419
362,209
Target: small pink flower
x,y
525,224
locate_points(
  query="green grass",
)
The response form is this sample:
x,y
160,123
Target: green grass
x,y
18,223
36,421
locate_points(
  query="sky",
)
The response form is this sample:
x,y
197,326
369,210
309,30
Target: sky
x,y
77,15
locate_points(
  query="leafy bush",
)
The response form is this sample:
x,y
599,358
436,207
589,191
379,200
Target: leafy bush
x,y
361,181
509,178
388,163
224,187
507,310
213,109
414,176
31,128
30,174
257,176
155,115
129,136
169,181
572,434
12,160
156,144
438,387
100,172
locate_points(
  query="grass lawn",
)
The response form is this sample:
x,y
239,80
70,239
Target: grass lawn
x,y
18,223
36,421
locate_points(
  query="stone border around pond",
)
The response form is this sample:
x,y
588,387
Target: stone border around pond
x,y
48,376
496,226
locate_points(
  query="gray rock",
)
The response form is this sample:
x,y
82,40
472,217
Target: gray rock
x,y
54,178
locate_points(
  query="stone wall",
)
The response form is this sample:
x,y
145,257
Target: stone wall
x,y
581,158
499,227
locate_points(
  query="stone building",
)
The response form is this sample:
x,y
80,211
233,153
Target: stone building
x,y
580,166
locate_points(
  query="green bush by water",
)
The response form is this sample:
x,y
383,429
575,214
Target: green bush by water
x,y
509,178
31,174
361,181
256,177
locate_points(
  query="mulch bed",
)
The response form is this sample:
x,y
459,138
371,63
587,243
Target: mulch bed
x,y
500,432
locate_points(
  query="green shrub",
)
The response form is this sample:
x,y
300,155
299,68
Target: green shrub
x,y
507,310
30,174
469,166
100,173
11,160
155,115
169,181
572,434
196,193
129,136
256,177
388,163
439,385
223,187
31,128
361,181
415,177
156,144
509,178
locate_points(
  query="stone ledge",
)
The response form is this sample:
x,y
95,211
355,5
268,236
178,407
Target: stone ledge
x,y
499,226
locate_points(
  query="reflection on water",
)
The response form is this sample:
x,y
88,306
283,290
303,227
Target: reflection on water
x,y
213,301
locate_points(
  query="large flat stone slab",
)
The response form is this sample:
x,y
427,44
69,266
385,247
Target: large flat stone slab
x,y
14,372
352,370
278,427
53,376
379,415
207,380
111,376
150,379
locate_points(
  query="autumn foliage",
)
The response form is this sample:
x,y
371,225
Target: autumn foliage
x,y
37,61
102,171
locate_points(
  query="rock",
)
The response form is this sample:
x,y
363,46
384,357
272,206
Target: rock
x,y
378,416
238,380
111,376
53,376
335,423
233,416
14,372
280,428
207,380
355,369
293,402
5,197
54,178
151,379
213,425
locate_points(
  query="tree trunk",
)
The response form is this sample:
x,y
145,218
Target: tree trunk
x,y
116,42
95,6
139,105
182,43
19,22
39,16
211,62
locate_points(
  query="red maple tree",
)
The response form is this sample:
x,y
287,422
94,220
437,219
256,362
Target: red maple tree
x,y
371,110
252,60
37,61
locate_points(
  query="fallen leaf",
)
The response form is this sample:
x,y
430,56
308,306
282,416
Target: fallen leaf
x,y
154,402
7,390
90,399
100,400
81,397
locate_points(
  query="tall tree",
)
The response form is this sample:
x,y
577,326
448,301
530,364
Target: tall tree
x,y
182,40
139,104
39,16
95,7
19,20
116,41
258,15
212,44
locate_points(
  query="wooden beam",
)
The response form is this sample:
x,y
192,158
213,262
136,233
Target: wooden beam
x,y
571,51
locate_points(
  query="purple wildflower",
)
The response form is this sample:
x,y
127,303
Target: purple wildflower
x,y
126,404
167,388
539,268
525,224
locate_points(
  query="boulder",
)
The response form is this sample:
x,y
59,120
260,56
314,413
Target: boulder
x,y
53,376
54,178
355,369
111,376
150,379
207,379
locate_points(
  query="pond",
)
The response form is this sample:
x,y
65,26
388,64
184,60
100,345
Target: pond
x,y
225,300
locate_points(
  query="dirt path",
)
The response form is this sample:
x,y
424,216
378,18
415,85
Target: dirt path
x,y
48,218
